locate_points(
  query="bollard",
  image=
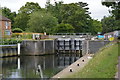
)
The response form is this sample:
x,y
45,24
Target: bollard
x,y
18,49
82,60
78,64
71,70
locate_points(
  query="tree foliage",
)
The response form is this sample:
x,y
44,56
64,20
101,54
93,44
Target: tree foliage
x,y
75,14
29,8
109,24
41,21
96,26
57,17
22,17
112,22
7,13
64,28
115,5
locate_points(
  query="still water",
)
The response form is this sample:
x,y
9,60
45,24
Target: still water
x,y
36,66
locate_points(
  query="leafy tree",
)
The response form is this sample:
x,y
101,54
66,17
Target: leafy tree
x,y
75,14
55,10
7,13
41,21
96,26
112,21
22,17
64,28
29,8
21,21
115,5
109,24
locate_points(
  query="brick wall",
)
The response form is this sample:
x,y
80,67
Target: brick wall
x,y
3,27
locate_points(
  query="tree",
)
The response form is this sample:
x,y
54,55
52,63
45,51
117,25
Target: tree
x,y
115,16
29,8
21,21
42,21
108,24
55,10
115,5
96,26
64,28
7,13
22,17
75,14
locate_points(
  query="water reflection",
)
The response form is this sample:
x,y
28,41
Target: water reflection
x,y
36,66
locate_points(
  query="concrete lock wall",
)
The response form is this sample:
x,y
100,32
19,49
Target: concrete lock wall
x,y
84,47
37,47
94,46
8,51
50,46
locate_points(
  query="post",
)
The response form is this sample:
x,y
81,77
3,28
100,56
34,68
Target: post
x,y
33,36
18,49
18,63
40,69
58,45
75,46
44,47
79,45
64,46
87,47
53,46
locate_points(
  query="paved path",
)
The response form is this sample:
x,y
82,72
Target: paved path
x,y
75,68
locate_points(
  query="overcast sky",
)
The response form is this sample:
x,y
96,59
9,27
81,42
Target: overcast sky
x,y
95,6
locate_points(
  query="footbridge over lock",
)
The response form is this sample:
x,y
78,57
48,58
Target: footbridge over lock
x,y
71,35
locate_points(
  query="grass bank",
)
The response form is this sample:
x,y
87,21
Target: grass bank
x,y
103,64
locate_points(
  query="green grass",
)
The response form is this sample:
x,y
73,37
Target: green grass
x,y
119,48
103,64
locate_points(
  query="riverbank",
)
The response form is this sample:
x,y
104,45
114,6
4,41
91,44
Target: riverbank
x,y
102,65
75,67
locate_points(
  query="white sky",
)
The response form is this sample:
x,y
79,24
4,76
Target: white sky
x,y
95,6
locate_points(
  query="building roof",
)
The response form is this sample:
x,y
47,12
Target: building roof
x,y
2,18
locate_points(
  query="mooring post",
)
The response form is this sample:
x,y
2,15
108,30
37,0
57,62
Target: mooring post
x,y
18,49
18,63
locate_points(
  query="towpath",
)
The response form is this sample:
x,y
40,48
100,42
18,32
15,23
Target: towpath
x,y
75,67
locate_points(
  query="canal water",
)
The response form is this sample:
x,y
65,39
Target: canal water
x,y
36,66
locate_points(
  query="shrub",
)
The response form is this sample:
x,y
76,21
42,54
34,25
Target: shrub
x,y
17,30
10,41
64,28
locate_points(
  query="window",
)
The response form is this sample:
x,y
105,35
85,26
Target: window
x,y
6,24
7,32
